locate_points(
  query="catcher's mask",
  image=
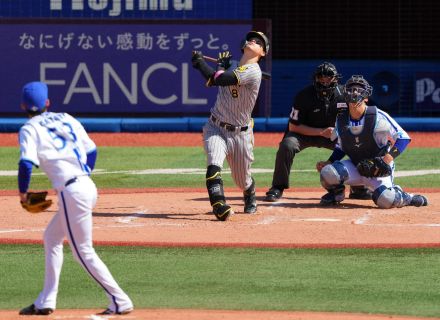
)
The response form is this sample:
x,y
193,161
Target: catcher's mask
x,y
357,89
261,38
325,80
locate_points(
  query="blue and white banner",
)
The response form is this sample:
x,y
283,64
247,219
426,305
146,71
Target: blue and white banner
x,y
113,68
427,91
153,9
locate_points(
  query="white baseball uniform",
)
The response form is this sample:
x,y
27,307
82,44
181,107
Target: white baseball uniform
x,y
234,107
58,144
386,129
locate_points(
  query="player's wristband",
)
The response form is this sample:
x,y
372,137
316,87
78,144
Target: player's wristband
x,y
394,152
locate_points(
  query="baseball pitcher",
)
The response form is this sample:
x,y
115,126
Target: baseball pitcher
x,y
59,145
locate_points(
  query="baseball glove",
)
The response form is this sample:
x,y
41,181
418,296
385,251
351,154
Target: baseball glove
x,y
375,167
36,202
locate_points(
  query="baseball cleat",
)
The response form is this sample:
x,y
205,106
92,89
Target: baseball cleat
x,y
360,193
250,203
222,211
273,195
108,311
33,311
418,201
330,199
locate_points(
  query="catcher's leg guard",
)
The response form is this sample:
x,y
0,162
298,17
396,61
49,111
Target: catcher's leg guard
x,y
214,184
332,179
395,197
250,199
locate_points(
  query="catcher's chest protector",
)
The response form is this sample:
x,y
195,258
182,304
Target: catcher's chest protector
x,y
363,145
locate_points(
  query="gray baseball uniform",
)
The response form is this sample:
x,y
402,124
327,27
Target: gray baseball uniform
x,y
229,131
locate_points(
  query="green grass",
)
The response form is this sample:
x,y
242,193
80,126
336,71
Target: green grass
x,y
388,281
141,158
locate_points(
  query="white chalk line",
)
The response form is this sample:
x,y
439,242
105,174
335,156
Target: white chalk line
x,y
202,171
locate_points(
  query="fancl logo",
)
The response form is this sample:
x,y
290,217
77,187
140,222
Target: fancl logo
x,y
115,7
426,88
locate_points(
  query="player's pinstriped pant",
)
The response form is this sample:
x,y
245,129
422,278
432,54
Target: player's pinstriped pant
x,y
74,220
236,147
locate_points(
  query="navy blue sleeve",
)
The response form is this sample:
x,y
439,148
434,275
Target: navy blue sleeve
x,y
91,158
24,175
337,154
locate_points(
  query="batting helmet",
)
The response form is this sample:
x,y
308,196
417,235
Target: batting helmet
x,y
259,35
325,88
357,89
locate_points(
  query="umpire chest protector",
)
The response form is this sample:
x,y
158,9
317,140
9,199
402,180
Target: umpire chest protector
x,y
361,146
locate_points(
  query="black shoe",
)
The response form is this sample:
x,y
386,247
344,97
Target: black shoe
x,y
33,311
250,203
418,201
222,211
250,199
360,193
273,195
333,197
110,312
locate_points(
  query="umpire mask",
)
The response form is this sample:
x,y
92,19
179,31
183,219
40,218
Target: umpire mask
x,y
325,80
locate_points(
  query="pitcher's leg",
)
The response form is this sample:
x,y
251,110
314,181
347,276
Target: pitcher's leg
x,y
53,248
77,209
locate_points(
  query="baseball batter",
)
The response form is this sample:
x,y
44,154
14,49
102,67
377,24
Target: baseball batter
x,y
228,134
59,145
372,140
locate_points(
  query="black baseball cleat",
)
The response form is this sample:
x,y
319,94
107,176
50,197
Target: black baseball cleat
x,y
33,311
250,203
418,201
222,211
273,195
108,312
360,193
333,197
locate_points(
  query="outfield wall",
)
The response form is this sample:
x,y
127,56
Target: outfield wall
x,y
195,124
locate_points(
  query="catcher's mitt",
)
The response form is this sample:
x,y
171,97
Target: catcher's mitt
x,y
36,202
375,167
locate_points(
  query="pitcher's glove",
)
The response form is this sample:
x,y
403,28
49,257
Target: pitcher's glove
x,y
36,202
375,167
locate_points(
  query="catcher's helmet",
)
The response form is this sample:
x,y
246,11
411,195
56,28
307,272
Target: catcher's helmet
x,y
325,88
357,89
260,35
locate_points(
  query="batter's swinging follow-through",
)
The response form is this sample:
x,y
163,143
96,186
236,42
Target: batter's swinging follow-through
x,y
228,134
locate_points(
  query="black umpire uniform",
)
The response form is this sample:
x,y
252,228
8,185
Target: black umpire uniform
x,y
316,107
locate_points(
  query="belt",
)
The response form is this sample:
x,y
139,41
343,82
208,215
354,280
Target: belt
x,y
70,181
228,126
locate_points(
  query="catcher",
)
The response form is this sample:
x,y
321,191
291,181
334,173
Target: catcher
x,y
372,140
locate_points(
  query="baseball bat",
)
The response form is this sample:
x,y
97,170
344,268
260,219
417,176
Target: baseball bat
x,y
265,75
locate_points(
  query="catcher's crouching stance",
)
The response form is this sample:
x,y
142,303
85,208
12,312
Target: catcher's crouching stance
x,y
372,140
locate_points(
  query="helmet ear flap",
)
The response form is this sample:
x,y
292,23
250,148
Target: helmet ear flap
x,y
243,44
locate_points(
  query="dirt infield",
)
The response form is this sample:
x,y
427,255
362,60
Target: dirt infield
x,y
141,218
